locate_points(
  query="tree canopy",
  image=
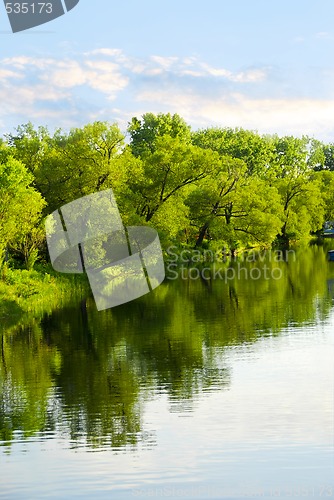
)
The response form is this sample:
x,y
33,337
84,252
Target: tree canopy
x,y
233,187
20,204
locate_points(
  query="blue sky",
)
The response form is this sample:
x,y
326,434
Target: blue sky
x,y
261,65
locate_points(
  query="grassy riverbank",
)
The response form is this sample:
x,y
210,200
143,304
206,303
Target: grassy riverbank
x,y
36,292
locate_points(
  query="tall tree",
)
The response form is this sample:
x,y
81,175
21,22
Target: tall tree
x,y
20,204
144,132
300,192
70,165
232,207
326,179
167,171
329,157
254,150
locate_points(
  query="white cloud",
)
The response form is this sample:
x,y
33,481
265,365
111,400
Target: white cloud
x,y
284,116
22,62
76,89
324,35
104,52
100,75
6,74
13,101
186,66
165,62
252,75
65,74
106,77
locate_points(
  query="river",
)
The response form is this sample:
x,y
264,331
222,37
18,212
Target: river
x,y
205,388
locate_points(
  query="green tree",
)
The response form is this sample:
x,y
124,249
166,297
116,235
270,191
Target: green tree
x,y
145,132
20,204
30,244
165,173
255,151
300,192
329,157
70,165
29,145
214,198
317,156
235,208
326,179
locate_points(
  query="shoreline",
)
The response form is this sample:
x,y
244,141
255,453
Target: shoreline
x,y
36,292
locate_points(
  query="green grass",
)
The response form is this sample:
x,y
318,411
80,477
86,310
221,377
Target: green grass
x,y
33,293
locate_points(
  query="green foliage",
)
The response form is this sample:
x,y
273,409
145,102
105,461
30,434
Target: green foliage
x,y
173,166
235,208
255,151
20,204
210,188
211,185
31,293
290,157
29,245
329,157
326,185
144,132
317,155
301,198
70,165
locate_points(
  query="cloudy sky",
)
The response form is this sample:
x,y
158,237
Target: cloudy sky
x,y
263,65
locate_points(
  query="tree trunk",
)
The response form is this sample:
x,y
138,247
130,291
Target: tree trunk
x,y
202,234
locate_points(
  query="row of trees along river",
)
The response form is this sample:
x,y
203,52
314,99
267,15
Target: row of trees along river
x,y
218,186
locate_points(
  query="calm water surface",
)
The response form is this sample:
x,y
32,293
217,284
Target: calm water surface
x,y
202,389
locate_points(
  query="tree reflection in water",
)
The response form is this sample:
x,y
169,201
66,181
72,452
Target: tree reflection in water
x,y
87,375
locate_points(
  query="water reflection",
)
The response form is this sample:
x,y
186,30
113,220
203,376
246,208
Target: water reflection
x,y
87,376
